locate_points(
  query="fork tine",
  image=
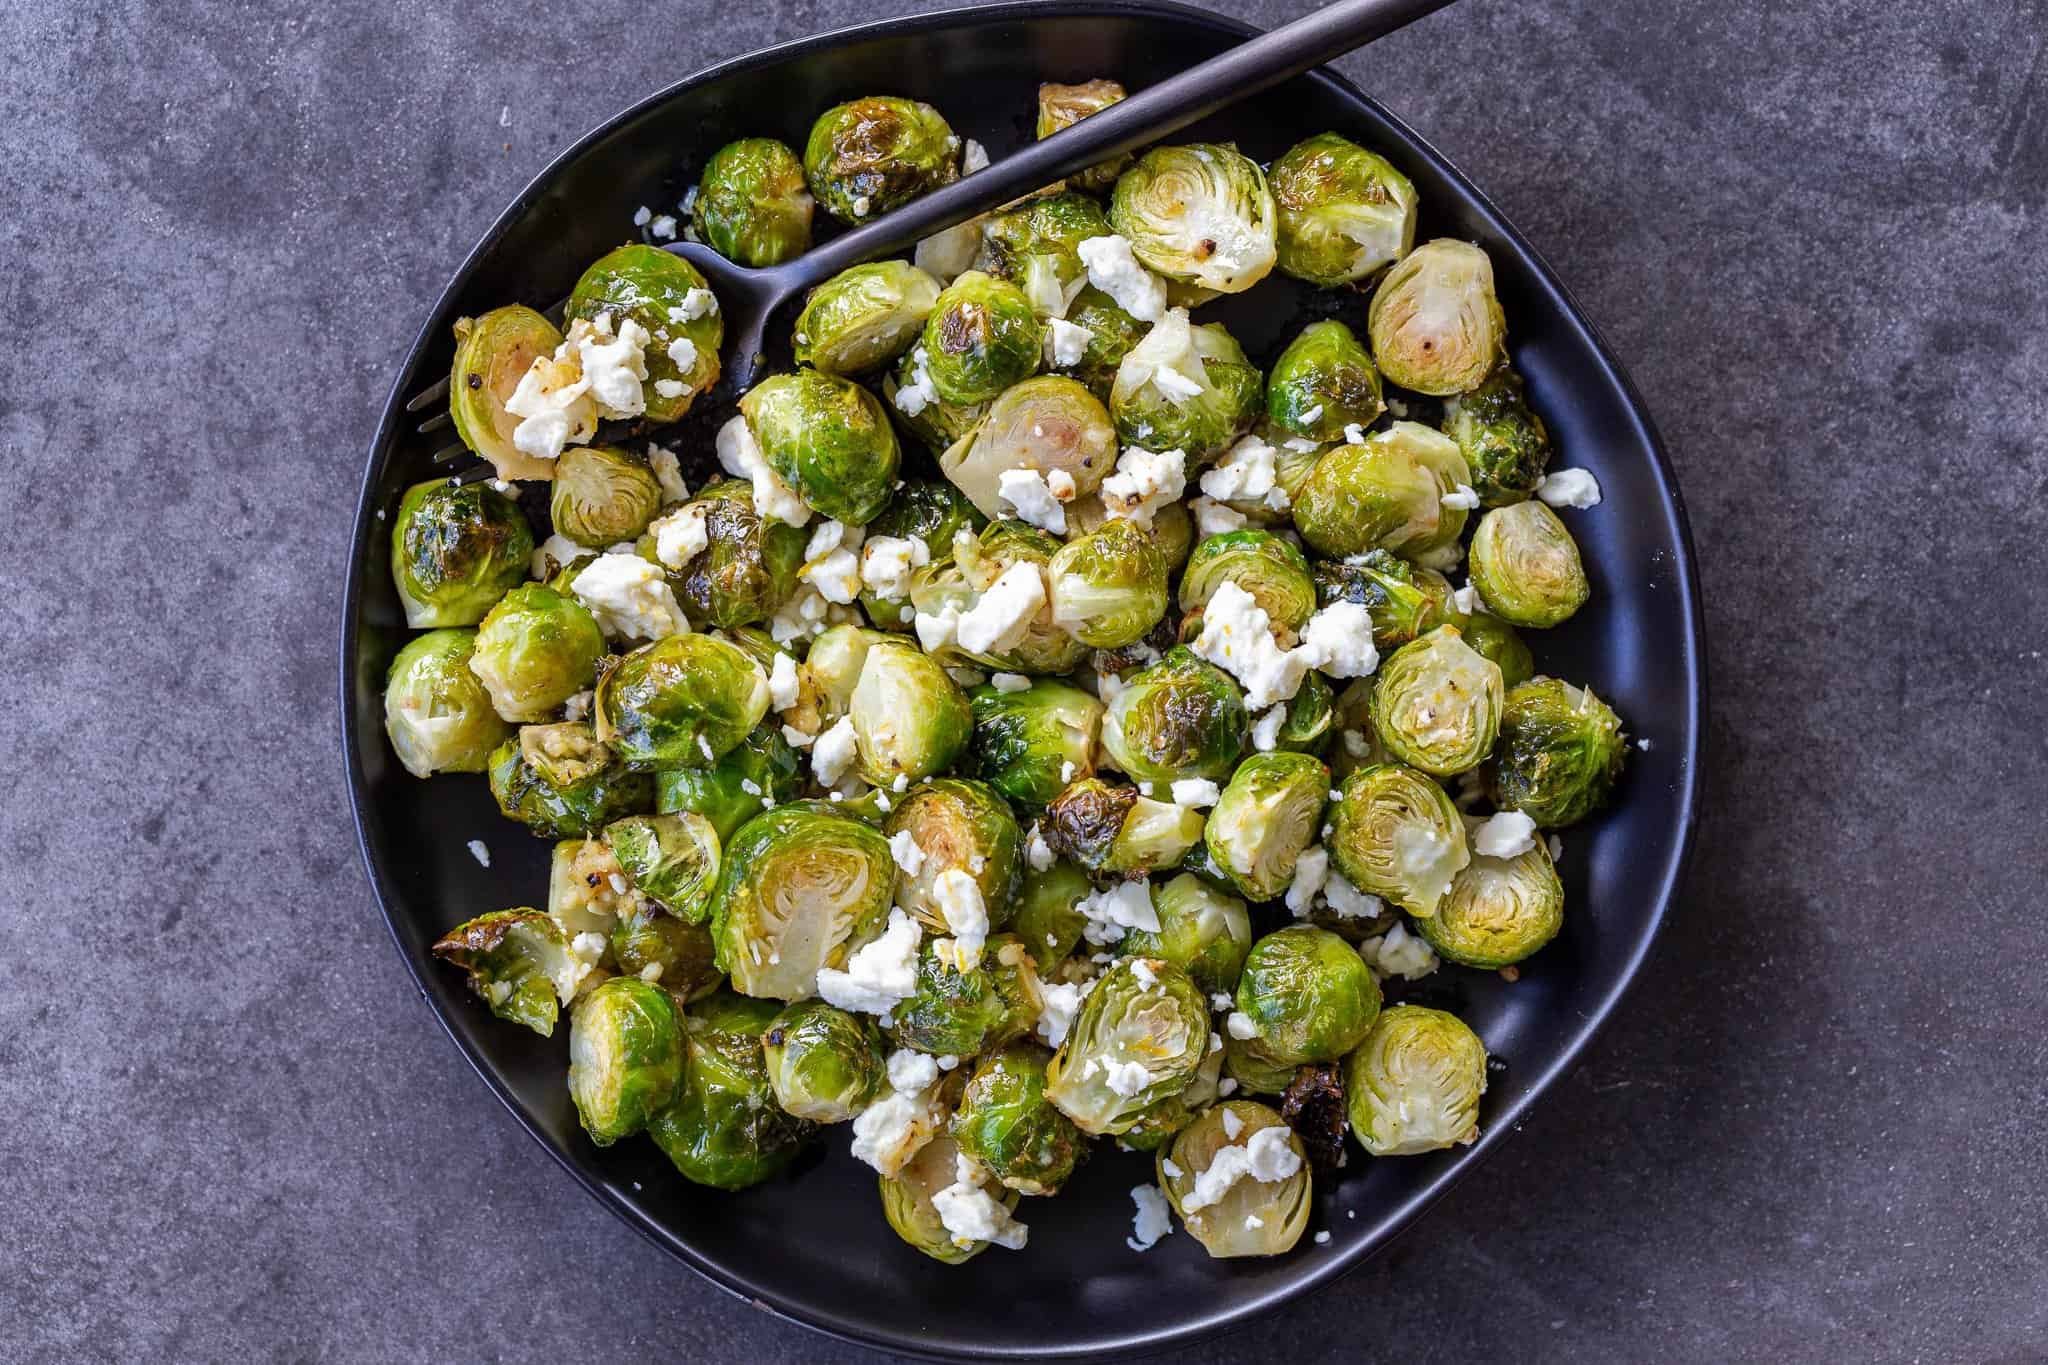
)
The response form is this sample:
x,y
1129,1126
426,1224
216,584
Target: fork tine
x,y
435,423
448,453
432,394
474,474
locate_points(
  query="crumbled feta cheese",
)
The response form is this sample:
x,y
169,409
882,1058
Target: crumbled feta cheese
x,y
1399,953
680,536
836,576
959,901
911,1070
1113,912
783,688
1066,343
973,158
668,471
1311,871
947,1061
578,705
554,404
1347,901
750,786
1195,792
1508,834
892,1130
651,972
1465,600
630,598
1570,488
1248,472
1026,492
1066,770
642,216
1314,414
972,1215
683,353
1142,970
1461,499
920,393
554,554
1144,481
886,563
834,753
1212,518
806,613
1057,1006
1003,615
1237,637
1323,1238
1151,1222
1644,744
614,365
1338,640
1178,387
697,303
879,975
1037,851
1126,1078
1302,445
1554,846
480,851
1355,434
671,388
739,454
1266,1156
1266,729
1240,1026
933,632
904,849
664,226
1114,270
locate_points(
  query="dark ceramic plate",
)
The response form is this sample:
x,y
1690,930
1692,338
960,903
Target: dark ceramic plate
x,y
813,1246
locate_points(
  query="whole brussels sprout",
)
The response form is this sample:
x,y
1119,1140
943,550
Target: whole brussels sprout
x,y
1046,425
1181,717
940,425
668,297
828,439
1185,388
1503,442
1200,214
1266,566
869,155
910,718
1404,601
798,889
1497,640
536,649
1115,832
1384,493
1005,1122
1029,744
1108,587
762,771
1435,323
1344,212
1201,931
683,702
1414,1084
752,205
980,338
1048,920
455,550
824,1064
1396,834
1254,1074
587,889
625,1057
1560,753
907,1201
965,1010
1308,994
650,943
559,781
1036,246
492,354
1110,334
864,317
1138,1039
748,566
602,495
438,714
1526,566
1263,1207
958,826
671,859
725,1129
1322,383
1499,910
1265,818
1436,704
1062,106
518,963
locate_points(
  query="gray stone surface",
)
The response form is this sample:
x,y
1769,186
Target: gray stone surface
x,y
1813,231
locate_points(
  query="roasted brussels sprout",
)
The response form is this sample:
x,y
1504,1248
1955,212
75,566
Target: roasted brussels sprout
x,y
964,1010
828,439
1404,601
1414,1084
1305,995
1526,566
1238,1180
725,1128
982,568
956,825
1383,493
907,1201
1560,753
748,566
438,714
1309,720
602,495
798,889
518,963
562,782
1159,1124
1243,1063
1106,332
1435,323
909,717
1185,388
1049,426
1323,383
1396,834
869,155
1497,640
864,317
1503,442
1116,832
980,338
1268,567
824,1064
1181,717
1436,704
759,773
455,550
683,702
1201,931
1005,1122
625,1057
1108,587
1499,910
1048,919
1200,214
1035,246
752,205
1266,816
492,354
587,892
1062,106
671,859
1343,212
931,419
830,672
674,954
1030,743
668,297
1139,1038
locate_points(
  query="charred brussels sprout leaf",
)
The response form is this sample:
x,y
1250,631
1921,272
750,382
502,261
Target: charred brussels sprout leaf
x,y
981,337
455,550
536,649
1397,835
1108,587
1265,565
667,296
964,1013
1437,702
683,702
760,772
958,826
752,204
654,945
437,713
863,318
798,889
1265,818
1181,717
748,566
725,1128
1137,1040
907,1201
1499,910
1062,106
1238,1193
1497,640
625,1057
1200,214
518,963
828,439
1047,425
562,783
492,354
867,156
1386,493
1414,1084
823,1063
1115,832
1202,931
670,859
1313,1106
910,718
1186,388
1309,996
1322,383
1435,324
1561,750
1526,566
1344,212
602,495
1310,718
1029,745
1036,247
1502,440
1005,1122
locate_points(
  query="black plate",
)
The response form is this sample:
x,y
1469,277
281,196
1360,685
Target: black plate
x,y
814,1246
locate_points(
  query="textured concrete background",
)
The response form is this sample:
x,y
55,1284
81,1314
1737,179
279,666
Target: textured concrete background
x,y
1813,231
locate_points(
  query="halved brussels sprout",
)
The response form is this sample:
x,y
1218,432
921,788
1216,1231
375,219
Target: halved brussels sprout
x,y
1396,834
1185,388
1561,750
1062,106
981,337
625,1057
588,891
910,718
1272,569
1499,910
1435,323
917,405
1343,212
1526,566
1308,995
1048,920
518,963
1202,931
752,205
1414,1084
1200,214
1036,246
671,859
1437,703
562,782
958,826
1138,1039
671,299
1181,717
1048,425
907,1201
1404,601
602,495
683,702
748,566
1108,587
1116,832
824,1064
1384,493
828,439
1238,1193
655,946
1503,442
1497,640
1005,1122
492,354
536,649
869,155
1110,334
798,889
761,772
1164,1120
455,550
963,1011
725,1129
1266,816
1323,383
864,317
438,714
1030,744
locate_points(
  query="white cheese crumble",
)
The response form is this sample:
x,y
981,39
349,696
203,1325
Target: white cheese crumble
x,y
1570,488
1347,901
554,404
973,158
1037,851
1003,616
1241,1026
1113,912
664,226
739,454
1466,600
1355,434
683,353
1506,835
1460,499
1066,343
1010,682
1266,1156
680,536
1195,792
903,847
1213,518
1311,872
879,975
1237,637
910,1070
480,851
886,563
1114,270
783,688
614,364
642,216
1266,729
1323,1238
630,598
1248,472
668,471
959,901
555,553
936,631
1058,1004
834,752
1144,481
1338,639
1151,1222
892,1130
1399,953
920,393
972,1215
1126,1078
697,303
1028,495
1176,386
578,705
